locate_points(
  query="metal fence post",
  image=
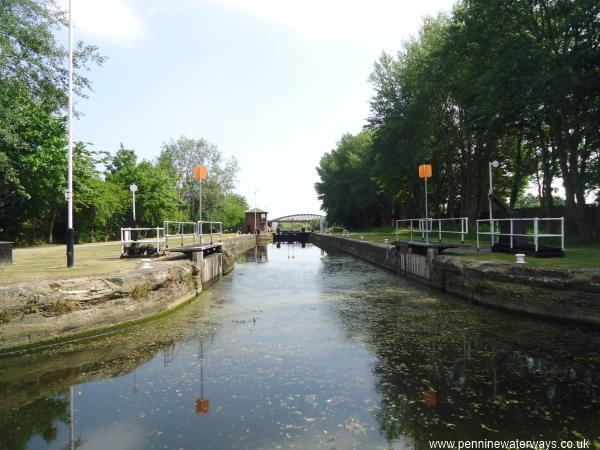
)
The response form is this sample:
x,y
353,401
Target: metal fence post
x,y
477,232
535,232
157,240
511,233
439,230
562,233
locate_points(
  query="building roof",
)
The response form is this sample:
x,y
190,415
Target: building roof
x,y
255,210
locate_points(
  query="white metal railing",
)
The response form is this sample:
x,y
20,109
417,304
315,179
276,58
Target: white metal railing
x,y
439,227
407,225
214,229
495,233
128,237
174,229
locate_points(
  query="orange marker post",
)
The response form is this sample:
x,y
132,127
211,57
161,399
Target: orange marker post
x,y
200,174
424,173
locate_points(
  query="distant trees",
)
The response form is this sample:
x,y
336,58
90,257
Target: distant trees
x,y
180,156
348,189
515,81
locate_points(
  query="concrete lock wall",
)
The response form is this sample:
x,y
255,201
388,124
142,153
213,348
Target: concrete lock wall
x,y
401,260
552,293
33,314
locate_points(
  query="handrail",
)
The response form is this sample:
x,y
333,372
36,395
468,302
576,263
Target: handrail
x,y
200,230
426,227
494,225
127,237
180,233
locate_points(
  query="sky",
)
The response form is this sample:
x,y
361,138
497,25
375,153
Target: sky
x,y
273,83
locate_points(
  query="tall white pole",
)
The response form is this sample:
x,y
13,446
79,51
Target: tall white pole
x,y
255,212
134,208
70,230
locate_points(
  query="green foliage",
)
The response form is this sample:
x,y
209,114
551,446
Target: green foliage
x,y
33,164
33,96
513,81
180,157
349,193
234,206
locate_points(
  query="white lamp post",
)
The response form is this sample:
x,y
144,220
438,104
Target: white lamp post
x,y
133,188
255,212
493,164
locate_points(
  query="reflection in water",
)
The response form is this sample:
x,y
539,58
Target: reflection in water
x,y
259,254
315,351
37,418
202,404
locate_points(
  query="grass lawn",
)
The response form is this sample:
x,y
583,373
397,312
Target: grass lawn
x,y
579,254
49,262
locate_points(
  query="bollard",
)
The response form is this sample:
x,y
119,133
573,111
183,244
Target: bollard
x,y
146,264
520,258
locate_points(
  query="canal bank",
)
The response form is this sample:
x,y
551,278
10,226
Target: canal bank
x,y
33,314
558,294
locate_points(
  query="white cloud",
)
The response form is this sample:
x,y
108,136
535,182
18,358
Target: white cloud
x,y
108,20
318,17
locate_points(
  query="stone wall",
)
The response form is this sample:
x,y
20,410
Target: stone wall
x,y
560,294
31,314
401,260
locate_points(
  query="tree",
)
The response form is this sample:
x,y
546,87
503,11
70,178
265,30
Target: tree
x,y
181,156
514,81
347,189
157,197
234,206
33,78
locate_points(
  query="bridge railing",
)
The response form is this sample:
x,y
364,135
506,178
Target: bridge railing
x,y
181,230
212,229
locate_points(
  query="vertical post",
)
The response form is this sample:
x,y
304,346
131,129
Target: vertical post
x,y
535,232
440,230
134,222
70,230
477,232
255,212
492,164
426,225
511,233
166,233
562,233
157,239
200,203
